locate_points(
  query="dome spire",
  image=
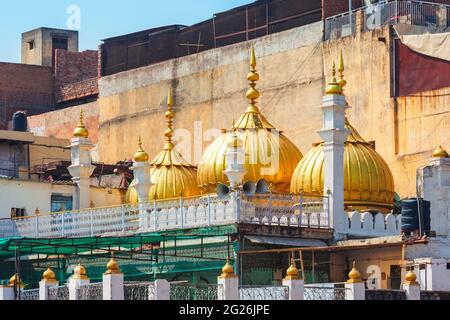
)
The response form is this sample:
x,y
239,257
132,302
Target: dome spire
x,y
253,76
170,115
341,69
81,131
333,86
141,155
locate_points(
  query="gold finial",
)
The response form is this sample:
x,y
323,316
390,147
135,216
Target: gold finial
x,y
227,271
112,266
354,275
37,212
141,155
333,86
341,69
16,281
79,273
49,276
252,93
170,115
411,278
440,153
81,131
292,273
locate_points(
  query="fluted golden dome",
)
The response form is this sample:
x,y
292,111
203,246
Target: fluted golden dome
x,y
112,267
368,181
264,148
15,280
80,130
228,270
334,86
292,273
354,275
410,278
80,273
171,175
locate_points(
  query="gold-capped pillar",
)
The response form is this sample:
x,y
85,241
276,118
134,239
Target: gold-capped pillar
x,y
113,280
433,181
142,183
81,168
48,281
228,283
77,280
355,287
294,282
334,135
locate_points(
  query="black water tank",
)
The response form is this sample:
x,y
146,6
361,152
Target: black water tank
x,y
20,121
410,215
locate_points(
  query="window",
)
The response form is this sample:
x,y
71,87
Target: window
x,y
17,213
60,203
31,44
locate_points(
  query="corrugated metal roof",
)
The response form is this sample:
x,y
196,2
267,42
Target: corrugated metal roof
x,y
282,241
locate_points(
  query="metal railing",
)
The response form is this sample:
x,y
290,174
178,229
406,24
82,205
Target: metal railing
x,y
186,291
251,293
268,209
60,293
139,291
316,292
91,292
419,13
385,294
28,295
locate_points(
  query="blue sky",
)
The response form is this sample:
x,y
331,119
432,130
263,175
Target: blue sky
x,y
99,19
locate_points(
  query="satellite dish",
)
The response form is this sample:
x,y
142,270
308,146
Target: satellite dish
x,y
249,188
222,190
262,186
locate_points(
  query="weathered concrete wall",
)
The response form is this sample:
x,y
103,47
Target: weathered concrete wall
x,y
210,88
45,150
423,123
61,123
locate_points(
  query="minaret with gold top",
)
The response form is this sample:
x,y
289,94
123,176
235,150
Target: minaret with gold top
x,y
171,175
81,168
267,153
334,134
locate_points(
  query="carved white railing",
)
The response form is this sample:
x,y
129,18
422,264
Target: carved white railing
x,y
269,209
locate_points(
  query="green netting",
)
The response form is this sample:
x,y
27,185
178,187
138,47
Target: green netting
x,y
198,254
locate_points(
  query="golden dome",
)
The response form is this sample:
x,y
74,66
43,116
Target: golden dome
x,y
49,276
15,280
171,175
80,130
228,271
368,181
440,153
292,273
113,267
264,148
334,87
141,155
410,278
354,275
80,273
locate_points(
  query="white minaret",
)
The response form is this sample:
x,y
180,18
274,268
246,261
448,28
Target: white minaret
x,y
235,158
433,184
81,168
334,135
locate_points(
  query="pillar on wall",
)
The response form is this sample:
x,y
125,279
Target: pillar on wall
x,y
294,282
81,168
142,181
113,280
355,287
48,281
411,286
433,182
228,283
76,281
334,135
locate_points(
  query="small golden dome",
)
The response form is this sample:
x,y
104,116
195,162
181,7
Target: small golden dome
x,y
141,155
15,280
440,153
354,275
269,154
292,273
80,273
113,267
334,87
80,130
49,276
410,278
227,271
368,180
171,175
